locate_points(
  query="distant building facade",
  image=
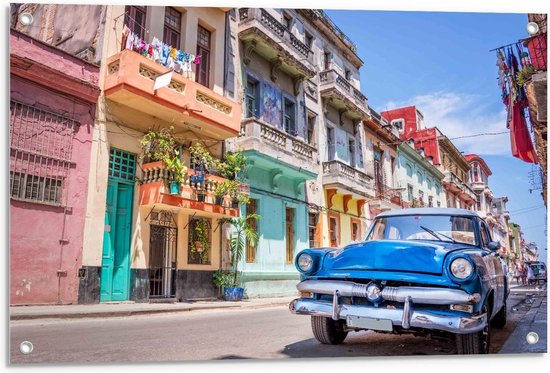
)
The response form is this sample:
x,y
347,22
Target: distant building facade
x,y
433,143
419,179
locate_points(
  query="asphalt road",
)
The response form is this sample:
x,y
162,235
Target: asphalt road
x,y
267,333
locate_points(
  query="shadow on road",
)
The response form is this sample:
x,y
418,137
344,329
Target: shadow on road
x,y
232,357
371,344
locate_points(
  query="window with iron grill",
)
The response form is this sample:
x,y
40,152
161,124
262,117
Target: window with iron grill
x,y
40,154
122,165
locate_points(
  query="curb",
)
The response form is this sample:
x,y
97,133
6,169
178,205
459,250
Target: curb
x,y
126,313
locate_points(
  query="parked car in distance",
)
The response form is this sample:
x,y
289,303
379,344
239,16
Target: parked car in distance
x,y
539,270
424,271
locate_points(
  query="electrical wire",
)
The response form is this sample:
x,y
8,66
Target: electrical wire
x,y
526,208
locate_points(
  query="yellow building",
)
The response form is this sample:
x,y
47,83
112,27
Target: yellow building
x,y
139,239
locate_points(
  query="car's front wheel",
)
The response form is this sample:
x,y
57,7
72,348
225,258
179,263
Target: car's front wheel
x,y
474,343
327,330
499,321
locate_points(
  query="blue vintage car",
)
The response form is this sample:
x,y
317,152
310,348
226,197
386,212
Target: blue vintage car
x,y
426,271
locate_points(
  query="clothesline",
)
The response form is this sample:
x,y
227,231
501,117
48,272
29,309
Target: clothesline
x,y
514,98
509,45
160,52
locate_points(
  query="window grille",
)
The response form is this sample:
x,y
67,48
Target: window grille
x,y
199,252
40,154
122,165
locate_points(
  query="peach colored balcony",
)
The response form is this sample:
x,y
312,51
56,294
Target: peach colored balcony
x,y
154,190
183,103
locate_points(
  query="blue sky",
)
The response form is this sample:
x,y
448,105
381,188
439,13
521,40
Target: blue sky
x,y
441,63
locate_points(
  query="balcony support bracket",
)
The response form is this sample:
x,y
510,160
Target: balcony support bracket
x,y
275,65
297,83
275,178
249,47
347,199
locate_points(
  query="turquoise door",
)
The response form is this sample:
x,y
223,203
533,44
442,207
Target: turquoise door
x,y
115,268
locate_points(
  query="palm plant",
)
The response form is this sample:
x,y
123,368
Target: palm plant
x,y
241,235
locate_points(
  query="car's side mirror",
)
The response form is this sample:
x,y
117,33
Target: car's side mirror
x,y
493,245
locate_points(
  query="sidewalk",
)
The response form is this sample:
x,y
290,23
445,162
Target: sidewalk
x,y
533,321
131,309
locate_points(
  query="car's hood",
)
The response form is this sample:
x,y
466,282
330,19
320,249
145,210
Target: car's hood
x,y
391,255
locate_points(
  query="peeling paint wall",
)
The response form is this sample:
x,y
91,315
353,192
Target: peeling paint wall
x,y
75,29
35,229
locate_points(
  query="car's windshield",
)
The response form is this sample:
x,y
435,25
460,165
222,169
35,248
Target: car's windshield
x,y
425,227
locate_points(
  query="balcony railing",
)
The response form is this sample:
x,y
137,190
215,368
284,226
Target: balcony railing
x,y
338,172
331,79
277,31
156,172
272,141
154,190
451,178
388,193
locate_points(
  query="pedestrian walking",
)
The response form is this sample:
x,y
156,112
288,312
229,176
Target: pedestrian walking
x,y
530,275
517,274
523,274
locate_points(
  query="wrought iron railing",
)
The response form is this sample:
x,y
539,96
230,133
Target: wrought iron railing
x,y
388,193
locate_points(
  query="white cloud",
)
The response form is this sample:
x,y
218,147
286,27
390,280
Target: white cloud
x,y
461,114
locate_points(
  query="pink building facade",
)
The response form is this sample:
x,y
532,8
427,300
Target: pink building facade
x,y
53,98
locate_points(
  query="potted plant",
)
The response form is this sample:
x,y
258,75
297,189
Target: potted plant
x,y
234,163
220,193
242,198
224,188
221,279
241,234
158,145
201,195
175,166
201,159
200,241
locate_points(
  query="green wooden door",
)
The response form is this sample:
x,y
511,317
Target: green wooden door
x,y
115,269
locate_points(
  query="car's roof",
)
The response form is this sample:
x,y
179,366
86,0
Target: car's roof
x,y
428,211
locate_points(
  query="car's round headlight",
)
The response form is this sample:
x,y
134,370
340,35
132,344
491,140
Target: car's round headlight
x,y
461,268
305,262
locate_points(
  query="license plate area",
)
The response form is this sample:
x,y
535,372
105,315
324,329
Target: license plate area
x,y
369,323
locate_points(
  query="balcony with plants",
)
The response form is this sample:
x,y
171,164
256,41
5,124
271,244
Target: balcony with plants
x,y
263,34
209,185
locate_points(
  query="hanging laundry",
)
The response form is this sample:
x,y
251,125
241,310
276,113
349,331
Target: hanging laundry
x,y
125,33
162,53
522,146
165,54
130,40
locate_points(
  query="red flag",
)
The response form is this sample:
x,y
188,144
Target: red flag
x,y
522,147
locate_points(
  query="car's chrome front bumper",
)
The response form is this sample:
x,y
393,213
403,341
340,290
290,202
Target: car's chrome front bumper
x,y
406,317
